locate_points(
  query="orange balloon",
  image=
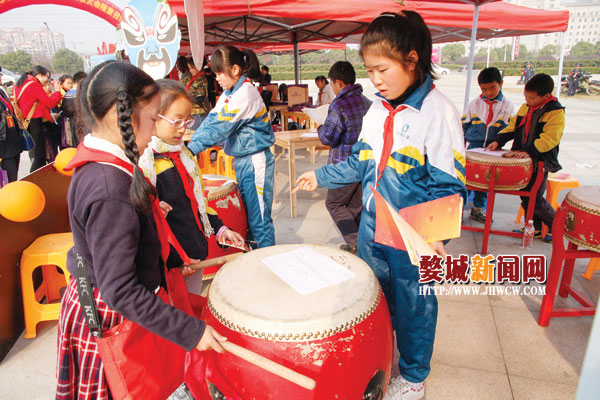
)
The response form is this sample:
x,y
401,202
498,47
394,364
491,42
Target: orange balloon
x,y
21,201
63,158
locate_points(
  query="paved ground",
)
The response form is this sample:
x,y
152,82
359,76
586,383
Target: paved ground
x,y
487,346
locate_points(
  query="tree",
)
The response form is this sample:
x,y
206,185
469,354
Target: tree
x,y
523,52
453,51
548,50
582,49
66,61
18,61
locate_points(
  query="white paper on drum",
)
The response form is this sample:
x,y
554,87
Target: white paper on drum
x,y
307,270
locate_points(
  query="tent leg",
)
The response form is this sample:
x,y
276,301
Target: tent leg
x,y
560,64
487,63
296,59
471,56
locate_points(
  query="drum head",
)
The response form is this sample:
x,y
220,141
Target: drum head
x,y
586,198
247,296
488,159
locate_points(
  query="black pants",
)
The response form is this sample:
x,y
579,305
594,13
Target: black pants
x,y
11,166
573,85
345,205
38,154
543,211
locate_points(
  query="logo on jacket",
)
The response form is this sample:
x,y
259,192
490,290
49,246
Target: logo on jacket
x,y
404,131
151,36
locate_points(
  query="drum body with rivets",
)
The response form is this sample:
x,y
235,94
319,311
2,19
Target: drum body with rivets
x,y
511,173
224,197
340,336
582,225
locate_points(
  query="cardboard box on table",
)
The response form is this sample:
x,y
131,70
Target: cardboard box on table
x,y
297,94
273,88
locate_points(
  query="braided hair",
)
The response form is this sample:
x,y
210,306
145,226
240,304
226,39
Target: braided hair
x,y
127,87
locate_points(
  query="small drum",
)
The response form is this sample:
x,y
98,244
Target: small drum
x,y
223,196
583,218
339,335
511,173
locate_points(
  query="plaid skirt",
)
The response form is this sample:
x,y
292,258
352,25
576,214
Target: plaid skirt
x,y
79,367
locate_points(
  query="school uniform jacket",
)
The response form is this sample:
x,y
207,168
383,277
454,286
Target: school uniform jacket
x,y
477,133
547,125
241,118
427,160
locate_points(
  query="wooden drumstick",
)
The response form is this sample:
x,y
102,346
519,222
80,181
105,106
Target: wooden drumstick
x,y
214,261
269,365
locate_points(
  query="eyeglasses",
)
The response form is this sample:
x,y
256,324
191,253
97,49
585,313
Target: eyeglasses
x,y
179,123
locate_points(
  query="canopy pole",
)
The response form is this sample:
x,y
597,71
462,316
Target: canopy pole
x,y
296,58
471,56
487,63
560,64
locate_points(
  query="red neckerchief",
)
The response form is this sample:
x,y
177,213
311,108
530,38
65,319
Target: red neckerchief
x,y
320,96
527,119
188,184
189,85
7,104
490,116
388,136
85,155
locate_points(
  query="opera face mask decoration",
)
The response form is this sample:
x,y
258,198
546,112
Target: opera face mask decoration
x,y
151,36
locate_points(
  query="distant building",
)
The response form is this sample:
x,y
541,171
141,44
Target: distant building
x,y
41,43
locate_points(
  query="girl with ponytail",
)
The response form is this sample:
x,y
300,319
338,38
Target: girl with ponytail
x,y
241,119
118,231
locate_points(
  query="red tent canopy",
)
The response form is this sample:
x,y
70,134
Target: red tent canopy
x,y
246,21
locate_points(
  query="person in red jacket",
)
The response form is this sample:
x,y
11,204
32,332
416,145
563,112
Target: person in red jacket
x,y
29,91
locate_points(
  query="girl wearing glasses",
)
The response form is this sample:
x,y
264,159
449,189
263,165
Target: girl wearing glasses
x,y
241,118
172,168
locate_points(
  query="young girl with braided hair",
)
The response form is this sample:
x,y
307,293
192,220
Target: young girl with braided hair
x,y
241,118
116,230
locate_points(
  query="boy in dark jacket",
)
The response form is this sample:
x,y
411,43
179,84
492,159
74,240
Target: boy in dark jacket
x,y
340,131
537,129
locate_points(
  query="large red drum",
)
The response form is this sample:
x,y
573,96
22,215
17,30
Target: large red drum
x,y
224,197
511,173
339,335
583,219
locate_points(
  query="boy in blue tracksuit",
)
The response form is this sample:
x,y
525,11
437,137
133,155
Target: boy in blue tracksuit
x,y
411,148
485,117
241,118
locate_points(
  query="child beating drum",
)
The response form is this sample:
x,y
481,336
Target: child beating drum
x,y
411,149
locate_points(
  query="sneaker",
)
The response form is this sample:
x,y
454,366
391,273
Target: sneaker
x,y
348,248
401,389
478,214
548,237
536,234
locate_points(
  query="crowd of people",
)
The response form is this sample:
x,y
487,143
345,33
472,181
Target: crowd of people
x,y
132,166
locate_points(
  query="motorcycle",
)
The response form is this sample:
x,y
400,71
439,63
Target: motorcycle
x,y
586,85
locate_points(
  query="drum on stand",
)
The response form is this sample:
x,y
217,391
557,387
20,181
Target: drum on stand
x,y
340,335
583,218
224,197
511,173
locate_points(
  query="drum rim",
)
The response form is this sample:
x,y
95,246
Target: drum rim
x,y
497,187
570,201
220,191
237,317
296,337
510,161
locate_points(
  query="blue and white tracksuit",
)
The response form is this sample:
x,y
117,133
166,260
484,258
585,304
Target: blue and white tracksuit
x,y
241,118
427,162
478,134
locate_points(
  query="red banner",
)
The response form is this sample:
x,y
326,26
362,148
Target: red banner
x,y
101,8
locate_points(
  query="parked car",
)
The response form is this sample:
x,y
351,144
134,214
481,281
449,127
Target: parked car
x,y
9,76
463,68
440,70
